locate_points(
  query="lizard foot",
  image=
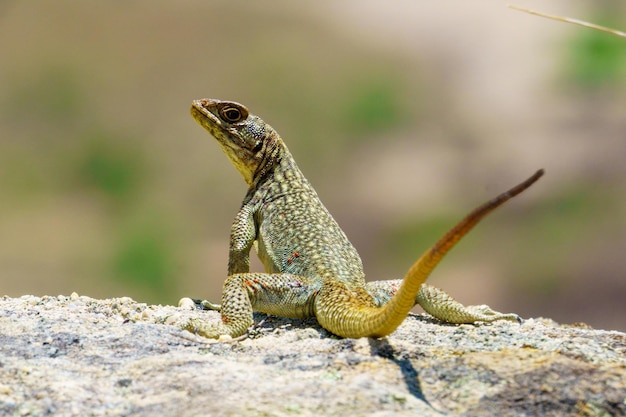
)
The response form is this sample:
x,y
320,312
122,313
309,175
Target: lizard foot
x,y
439,304
484,313
207,305
220,331
204,341
195,303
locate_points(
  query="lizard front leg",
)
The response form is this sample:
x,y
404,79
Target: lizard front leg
x,y
242,236
284,295
439,304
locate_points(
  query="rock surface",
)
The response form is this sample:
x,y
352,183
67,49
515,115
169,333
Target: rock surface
x,y
78,356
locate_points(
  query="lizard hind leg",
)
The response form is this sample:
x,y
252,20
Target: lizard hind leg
x,y
442,306
438,304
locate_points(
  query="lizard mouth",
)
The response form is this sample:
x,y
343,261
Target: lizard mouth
x,y
201,113
210,122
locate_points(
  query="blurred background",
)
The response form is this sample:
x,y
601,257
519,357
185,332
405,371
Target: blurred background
x,y
404,115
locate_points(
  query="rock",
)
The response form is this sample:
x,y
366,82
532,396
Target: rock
x,y
80,356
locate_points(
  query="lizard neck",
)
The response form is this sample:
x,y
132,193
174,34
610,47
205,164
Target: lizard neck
x,y
277,166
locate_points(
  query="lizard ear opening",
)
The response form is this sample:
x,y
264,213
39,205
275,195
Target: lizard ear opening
x,y
232,113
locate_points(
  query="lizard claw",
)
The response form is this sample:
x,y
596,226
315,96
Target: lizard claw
x,y
207,305
196,303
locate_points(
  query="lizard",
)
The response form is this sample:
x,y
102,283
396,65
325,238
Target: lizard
x,y
311,268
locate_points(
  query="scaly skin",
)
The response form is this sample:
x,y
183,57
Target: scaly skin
x,y
312,269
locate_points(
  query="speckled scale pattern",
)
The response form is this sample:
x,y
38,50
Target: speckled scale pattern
x,y
296,234
312,269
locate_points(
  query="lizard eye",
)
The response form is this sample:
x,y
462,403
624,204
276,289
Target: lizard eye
x,y
232,114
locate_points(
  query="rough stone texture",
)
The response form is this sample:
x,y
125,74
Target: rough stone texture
x,y
81,356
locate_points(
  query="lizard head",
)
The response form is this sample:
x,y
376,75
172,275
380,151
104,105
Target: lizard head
x,y
251,144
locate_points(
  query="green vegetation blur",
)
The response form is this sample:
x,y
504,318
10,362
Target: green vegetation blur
x,y
108,187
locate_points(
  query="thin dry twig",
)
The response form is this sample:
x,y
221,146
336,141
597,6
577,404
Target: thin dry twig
x,y
570,20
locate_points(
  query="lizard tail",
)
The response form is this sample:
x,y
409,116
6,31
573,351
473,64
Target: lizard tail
x,y
339,314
